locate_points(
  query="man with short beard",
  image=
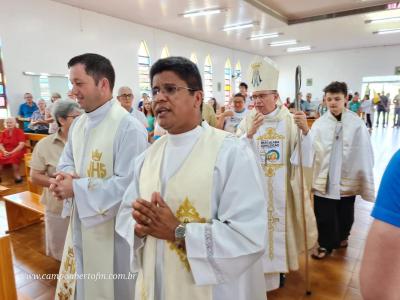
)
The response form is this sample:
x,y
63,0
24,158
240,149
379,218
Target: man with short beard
x,y
93,173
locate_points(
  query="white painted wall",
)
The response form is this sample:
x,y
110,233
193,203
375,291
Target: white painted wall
x,y
41,36
349,66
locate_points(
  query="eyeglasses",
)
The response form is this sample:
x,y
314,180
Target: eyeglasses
x,y
126,96
261,96
169,90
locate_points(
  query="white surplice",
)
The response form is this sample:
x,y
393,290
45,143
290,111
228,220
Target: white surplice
x,y
238,221
94,196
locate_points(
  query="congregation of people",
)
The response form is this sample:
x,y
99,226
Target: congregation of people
x,y
217,194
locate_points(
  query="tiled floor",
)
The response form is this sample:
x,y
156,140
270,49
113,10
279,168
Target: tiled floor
x,y
336,277
331,279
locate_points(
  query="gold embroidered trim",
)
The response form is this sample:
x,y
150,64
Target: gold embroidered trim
x,y
271,218
143,293
67,279
186,213
271,134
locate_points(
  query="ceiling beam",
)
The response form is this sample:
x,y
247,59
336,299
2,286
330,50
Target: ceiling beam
x,y
339,14
277,15
273,13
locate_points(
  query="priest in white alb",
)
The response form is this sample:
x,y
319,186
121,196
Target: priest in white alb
x,y
194,216
94,172
271,131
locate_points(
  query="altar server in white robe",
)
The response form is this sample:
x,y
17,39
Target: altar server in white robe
x,y
271,131
194,216
343,169
94,172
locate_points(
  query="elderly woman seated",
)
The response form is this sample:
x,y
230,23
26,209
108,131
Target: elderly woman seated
x,y
39,123
44,161
12,147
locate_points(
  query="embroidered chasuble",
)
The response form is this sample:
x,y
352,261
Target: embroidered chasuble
x,y
93,159
188,193
274,144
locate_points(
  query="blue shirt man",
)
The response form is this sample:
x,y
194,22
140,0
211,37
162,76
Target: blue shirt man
x,y
26,110
387,206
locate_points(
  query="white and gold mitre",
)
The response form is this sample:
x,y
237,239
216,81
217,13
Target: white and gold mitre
x,y
263,75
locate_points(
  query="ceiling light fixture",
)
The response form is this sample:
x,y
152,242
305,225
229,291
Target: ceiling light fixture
x,y
384,20
239,26
203,12
387,31
296,49
264,36
283,43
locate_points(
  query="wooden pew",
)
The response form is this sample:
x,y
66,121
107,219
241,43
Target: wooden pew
x,y
7,280
4,190
23,209
32,139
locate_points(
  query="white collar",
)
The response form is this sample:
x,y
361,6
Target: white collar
x,y
182,139
272,114
100,112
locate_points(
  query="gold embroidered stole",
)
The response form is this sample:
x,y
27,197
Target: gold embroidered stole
x,y
285,230
273,149
188,193
93,158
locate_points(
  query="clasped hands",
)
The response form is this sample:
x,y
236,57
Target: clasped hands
x,y
61,185
6,153
154,218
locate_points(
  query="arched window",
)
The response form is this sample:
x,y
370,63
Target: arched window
x,y
238,76
208,79
44,87
227,80
193,58
165,52
144,68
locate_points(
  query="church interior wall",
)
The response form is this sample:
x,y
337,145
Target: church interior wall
x,y
41,36
324,67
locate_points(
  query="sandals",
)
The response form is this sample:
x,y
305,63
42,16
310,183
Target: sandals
x,y
320,253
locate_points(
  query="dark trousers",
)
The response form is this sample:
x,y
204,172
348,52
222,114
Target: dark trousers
x,y
42,131
379,114
334,220
396,121
369,123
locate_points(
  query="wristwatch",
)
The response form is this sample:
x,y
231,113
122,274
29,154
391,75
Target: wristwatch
x,y
180,232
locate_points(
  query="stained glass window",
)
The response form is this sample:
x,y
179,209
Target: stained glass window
x,y
238,76
165,52
144,63
208,79
227,80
